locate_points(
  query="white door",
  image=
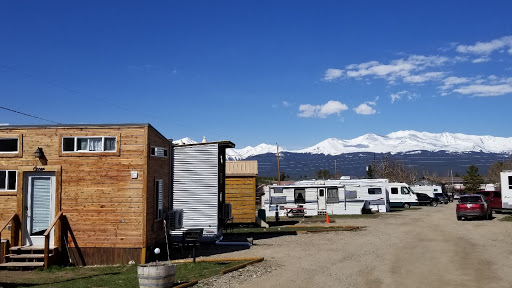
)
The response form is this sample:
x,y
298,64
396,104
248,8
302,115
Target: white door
x,y
322,203
39,208
506,189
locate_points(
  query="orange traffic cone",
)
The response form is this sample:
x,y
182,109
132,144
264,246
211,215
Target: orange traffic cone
x,y
327,218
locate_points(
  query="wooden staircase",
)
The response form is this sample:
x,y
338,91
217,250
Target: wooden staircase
x,y
27,257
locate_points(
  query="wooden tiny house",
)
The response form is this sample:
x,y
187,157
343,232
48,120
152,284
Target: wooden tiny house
x,y
103,188
241,189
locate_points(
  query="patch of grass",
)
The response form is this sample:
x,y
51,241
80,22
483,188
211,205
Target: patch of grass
x,y
507,218
284,229
104,276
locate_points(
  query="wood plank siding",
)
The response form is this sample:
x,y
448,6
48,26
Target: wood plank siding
x,y
241,190
106,206
241,193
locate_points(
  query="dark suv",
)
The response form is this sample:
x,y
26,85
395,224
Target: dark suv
x,y
424,199
442,198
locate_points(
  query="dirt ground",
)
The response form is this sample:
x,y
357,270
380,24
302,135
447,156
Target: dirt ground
x,y
415,248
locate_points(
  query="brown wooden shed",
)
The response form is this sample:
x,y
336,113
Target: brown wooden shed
x,y
241,189
104,189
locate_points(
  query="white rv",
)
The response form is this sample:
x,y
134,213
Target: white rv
x,y
316,198
429,190
372,190
506,189
400,195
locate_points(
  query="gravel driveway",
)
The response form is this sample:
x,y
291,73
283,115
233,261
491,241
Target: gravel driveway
x,y
414,248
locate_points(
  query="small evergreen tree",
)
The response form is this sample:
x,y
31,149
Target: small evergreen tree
x,y
472,180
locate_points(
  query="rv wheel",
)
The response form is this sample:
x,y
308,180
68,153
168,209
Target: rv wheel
x,y
459,218
407,205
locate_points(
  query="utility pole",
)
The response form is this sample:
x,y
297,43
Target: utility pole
x,y
278,170
335,172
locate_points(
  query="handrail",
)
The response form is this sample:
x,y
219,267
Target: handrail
x,y
7,223
47,239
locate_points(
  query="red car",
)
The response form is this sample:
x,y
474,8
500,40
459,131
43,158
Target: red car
x,y
475,205
494,198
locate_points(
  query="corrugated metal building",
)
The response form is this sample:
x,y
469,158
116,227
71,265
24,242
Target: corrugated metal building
x,y
199,186
241,189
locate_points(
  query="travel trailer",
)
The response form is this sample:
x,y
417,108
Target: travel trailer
x,y
429,190
316,198
372,190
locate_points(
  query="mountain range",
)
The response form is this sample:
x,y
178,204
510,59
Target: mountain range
x,y
436,152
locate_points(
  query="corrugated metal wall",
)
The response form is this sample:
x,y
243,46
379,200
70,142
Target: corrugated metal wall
x,y
196,185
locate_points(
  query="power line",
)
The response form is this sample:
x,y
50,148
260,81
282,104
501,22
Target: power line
x,y
29,115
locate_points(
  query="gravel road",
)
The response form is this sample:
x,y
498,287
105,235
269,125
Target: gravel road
x,y
414,248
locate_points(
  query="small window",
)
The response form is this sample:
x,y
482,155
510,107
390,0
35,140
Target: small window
x,y
394,190
509,182
435,189
89,144
8,179
278,189
332,196
405,191
374,191
159,152
9,145
300,196
321,193
159,197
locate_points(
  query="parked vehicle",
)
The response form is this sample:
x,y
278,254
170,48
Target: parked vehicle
x,y
494,198
429,190
442,198
473,206
400,195
424,199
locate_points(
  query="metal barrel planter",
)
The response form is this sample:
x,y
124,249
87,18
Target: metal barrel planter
x,y
156,275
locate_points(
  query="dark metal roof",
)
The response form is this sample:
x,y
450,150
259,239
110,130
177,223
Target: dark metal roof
x,y
222,144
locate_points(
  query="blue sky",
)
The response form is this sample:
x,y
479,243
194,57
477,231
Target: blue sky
x,y
287,72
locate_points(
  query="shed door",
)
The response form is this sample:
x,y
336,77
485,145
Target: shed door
x,y
39,206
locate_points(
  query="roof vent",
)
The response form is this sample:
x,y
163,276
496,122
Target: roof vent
x,y
204,139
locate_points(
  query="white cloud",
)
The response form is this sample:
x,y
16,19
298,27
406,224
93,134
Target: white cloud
x,y
403,94
4,124
399,69
332,74
485,48
481,59
286,104
364,109
420,78
451,81
485,90
322,111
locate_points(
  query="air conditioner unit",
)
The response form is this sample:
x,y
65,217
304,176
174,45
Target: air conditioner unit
x,y
227,211
175,219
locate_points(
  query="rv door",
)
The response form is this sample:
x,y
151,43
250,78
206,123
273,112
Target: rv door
x,y
321,195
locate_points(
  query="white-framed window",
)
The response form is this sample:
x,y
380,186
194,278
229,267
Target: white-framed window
x,y
8,179
374,191
89,144
332,195
9,145
159,198
159,152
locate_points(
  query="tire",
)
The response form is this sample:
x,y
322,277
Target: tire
x,y
489,216
434,204
459,218
407,205
498,211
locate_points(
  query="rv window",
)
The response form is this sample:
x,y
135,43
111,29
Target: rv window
x,y
332,196
394,190
374,191
321,193
8,145
435,189
300,196
8,180
509,182
278,189
405,190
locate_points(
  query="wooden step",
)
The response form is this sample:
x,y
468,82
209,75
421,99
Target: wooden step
x,y
26,256
29,248
22,264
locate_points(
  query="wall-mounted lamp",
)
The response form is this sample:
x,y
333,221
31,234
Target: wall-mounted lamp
x,y
39,154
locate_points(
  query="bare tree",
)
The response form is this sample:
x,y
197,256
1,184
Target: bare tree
x,y
493,174
394,170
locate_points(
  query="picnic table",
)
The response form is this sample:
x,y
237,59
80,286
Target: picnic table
x,y
295,211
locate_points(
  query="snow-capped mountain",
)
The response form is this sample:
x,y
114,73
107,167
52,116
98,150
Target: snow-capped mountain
x,y
397,142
